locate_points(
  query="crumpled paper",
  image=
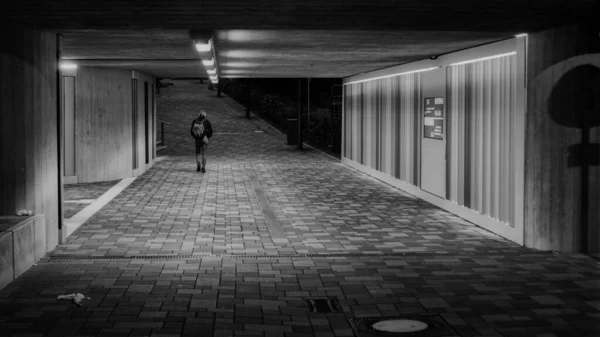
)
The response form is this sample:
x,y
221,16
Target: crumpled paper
x,y
75,298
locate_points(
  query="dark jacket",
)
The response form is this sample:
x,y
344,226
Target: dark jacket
x,y
208,131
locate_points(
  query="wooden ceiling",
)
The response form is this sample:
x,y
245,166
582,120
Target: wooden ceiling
x,y
276,38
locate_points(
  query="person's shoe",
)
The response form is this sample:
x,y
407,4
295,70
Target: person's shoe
x,y
203,170
198,168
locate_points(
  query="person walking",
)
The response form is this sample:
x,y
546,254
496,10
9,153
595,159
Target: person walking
x,y
201,131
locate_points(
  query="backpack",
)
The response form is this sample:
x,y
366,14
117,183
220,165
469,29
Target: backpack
x,y
198,130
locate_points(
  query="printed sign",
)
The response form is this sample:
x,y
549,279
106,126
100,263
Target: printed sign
x,y
433,118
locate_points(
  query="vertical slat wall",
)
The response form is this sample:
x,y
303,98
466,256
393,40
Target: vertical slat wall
x,y
481,106
381,125
383,132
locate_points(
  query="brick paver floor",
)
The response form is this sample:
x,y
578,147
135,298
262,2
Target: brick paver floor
x,y
235,252
78,196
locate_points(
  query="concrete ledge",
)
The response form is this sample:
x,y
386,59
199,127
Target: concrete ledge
x,y
6,259
22,244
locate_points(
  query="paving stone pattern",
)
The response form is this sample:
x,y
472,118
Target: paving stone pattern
x,y
396,255
78,196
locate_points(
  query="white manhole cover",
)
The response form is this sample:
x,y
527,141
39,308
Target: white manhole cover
x,y
400,325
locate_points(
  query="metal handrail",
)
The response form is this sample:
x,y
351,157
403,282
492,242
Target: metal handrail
x,y
164,122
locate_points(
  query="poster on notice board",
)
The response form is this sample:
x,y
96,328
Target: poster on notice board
x,y
433,118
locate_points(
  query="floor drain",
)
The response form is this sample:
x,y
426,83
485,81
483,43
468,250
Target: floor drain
x,y
322,305
399,325
424,325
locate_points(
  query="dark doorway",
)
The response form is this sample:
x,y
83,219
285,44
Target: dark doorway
x,y
146,122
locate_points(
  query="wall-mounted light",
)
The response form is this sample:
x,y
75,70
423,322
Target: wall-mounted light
x,y
208,63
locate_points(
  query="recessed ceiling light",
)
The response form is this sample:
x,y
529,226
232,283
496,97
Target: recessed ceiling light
x,y
203,47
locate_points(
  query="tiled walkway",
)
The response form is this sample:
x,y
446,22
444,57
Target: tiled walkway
x,y
77,196
235,251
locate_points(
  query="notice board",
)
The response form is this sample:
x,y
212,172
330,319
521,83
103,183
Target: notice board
x,y
433,118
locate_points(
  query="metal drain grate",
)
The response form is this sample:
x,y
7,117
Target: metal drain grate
x,y
323,305
424,325
273,256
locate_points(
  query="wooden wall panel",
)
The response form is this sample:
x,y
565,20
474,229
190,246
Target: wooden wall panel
x,y
103,124
563,82
28,121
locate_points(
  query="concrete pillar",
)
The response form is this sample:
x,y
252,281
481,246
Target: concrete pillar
x,y
562,171
29,160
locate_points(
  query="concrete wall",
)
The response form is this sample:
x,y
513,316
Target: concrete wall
x,y
29,157
478,172
562,181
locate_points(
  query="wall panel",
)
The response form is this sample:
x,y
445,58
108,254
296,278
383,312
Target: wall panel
x,y
103,124
69,117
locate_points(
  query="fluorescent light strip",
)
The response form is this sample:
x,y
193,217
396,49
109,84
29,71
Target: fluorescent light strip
x,y
392,75
208,63
483,58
